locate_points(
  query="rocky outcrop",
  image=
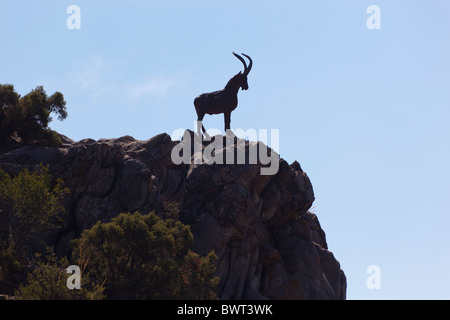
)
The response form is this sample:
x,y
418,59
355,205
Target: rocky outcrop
x,y
269,246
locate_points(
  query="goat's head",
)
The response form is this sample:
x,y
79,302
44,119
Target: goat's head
x,y
242,77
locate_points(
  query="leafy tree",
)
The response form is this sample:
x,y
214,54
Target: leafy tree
x,y
30,205
48,281
146,257
197,277
28,117
9,100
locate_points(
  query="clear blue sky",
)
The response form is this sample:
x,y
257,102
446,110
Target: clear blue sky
x,y
365,112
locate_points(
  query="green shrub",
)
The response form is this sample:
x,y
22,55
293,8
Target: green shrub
x,y
146,257
27,117
48,281
30,208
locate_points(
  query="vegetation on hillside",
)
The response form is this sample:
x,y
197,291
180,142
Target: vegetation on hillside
x,y
25,120
145,257
134,256
30,212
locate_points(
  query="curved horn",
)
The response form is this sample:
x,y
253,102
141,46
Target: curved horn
x,y
243,62
247,71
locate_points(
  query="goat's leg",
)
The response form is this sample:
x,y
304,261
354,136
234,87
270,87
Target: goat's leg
x,y
203,129
227,118
200,125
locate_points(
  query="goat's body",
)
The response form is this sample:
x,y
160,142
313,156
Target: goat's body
x,y
215,102
222,101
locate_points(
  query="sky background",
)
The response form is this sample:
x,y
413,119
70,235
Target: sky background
x,y
365,112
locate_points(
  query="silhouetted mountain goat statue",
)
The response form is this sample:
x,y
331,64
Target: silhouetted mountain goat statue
x,y
225,100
